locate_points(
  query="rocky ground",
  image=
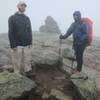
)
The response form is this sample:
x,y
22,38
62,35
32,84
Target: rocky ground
x,y
51,74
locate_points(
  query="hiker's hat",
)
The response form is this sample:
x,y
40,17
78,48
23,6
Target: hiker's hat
x,y
22,3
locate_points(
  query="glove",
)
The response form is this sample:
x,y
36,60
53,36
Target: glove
x,y
61,37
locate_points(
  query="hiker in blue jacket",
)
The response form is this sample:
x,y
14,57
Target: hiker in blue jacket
x,y
80,37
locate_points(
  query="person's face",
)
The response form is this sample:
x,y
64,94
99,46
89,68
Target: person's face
x,y
77,17
22,7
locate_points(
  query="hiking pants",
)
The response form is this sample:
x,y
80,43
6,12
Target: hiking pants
x,y
21,59
79,51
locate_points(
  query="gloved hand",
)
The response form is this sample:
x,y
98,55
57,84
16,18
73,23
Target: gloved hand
x,y
61,37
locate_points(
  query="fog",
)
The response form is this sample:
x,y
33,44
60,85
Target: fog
x,y
60,10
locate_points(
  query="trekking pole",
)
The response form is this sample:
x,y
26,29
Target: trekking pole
x,y
72,59
73,56
60,48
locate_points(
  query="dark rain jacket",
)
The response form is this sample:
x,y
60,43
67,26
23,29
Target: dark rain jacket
x,y
20,32
79,30
80,33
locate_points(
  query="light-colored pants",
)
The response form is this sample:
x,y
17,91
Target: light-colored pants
x,y
21,59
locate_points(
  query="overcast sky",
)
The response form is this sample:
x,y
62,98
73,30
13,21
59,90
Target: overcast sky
x,y
60,10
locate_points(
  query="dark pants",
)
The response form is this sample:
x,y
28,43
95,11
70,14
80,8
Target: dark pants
x,y
79,51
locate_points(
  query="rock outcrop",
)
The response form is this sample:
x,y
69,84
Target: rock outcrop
x,y
45,53
15,86
90,88
50,26
45,58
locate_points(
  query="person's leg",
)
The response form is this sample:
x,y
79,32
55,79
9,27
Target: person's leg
x,y
79,57
15,60
22,61
27,59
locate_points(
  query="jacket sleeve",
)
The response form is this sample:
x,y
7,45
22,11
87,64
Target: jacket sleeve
x,y
69,31
85,32
11,33
30,31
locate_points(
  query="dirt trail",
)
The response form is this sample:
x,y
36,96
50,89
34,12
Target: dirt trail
x,y
45,84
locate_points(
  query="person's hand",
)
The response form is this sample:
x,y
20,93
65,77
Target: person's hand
x,y
30,46
61,37
14,49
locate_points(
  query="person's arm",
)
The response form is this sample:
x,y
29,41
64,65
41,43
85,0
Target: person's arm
x,y
11,33
30,32
68,33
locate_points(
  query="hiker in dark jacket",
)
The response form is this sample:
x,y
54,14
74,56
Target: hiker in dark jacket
x,y
20,33
20,36
80,37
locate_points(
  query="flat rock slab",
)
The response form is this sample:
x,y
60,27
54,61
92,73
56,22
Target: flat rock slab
x,y
90,88
14,85
60,95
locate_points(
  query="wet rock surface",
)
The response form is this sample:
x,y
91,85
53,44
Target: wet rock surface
x,y
90,88
45,58
51,87
45,63
13,86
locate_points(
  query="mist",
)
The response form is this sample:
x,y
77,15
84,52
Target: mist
x,y
60,10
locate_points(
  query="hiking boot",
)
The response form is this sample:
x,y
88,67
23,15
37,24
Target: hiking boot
x,y
75,71
23,73
30,74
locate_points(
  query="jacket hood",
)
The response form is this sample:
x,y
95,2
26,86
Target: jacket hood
x,y
77,16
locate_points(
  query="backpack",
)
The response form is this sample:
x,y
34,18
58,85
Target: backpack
x,y
89,24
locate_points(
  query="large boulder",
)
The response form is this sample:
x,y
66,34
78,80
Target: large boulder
x,y
90,88
50,26
14,86
45,52
45,58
